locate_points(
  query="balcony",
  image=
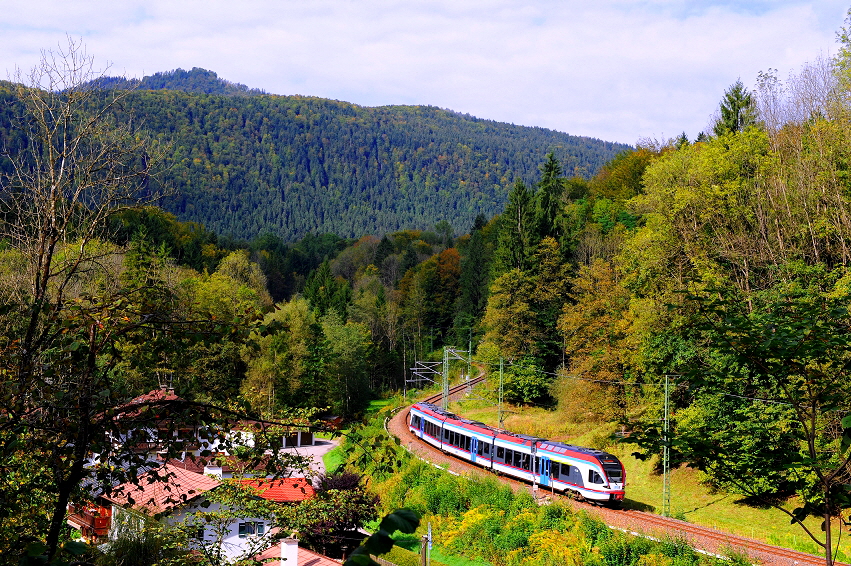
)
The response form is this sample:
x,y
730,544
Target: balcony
x,y
92,520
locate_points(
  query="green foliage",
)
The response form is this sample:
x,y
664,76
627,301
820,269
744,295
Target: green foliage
x,y
330,518
155,543
225,505
526,382
380,542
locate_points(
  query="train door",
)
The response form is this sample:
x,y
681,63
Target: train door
x,y
422,428
474,448
545,471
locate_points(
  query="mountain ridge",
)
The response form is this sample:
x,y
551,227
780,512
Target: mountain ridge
x,y
247,163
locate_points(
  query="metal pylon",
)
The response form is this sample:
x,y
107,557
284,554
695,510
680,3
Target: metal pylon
x,y
666,459
445,399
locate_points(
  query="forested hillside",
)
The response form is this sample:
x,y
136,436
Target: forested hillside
x,y
293,165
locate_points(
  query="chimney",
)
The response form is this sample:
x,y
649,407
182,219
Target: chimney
x,y
289,551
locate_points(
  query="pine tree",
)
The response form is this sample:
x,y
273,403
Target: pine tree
x,y
548,197
738,110
515,231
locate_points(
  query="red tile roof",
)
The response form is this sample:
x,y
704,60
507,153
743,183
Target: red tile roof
x,y
228,463
282,490
137,406
305,558
160,496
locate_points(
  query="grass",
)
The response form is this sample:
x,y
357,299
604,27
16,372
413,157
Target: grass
x,y
412,544
691,500
333,459
377,405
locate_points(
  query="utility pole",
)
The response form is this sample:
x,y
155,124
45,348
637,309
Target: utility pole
x,y
500,392
666,458
445,403
470,355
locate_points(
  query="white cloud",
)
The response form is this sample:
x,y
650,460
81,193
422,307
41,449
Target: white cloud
x,y
616,70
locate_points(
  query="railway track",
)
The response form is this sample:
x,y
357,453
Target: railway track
x,y
456,390
638,522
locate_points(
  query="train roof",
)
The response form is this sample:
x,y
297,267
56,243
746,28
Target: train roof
x,y
561,448
549,445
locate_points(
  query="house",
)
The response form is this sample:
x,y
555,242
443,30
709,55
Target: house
x,y
148,428
187,492
282,490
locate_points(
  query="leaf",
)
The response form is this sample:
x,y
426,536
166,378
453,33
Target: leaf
x,y
379,543
402,520
76,548
36,548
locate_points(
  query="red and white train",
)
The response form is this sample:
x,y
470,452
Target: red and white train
x,y
593,474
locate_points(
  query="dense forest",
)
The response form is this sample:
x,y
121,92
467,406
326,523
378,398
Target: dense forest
x,y
294,165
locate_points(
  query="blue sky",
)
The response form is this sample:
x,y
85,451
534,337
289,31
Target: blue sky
x,y
615,70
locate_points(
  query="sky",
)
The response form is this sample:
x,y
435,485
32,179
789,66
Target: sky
x,y
614,70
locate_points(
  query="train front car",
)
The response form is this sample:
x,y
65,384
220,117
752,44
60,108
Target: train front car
x,y
426,423
593,474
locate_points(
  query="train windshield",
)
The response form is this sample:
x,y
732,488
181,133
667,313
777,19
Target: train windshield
x,y
613,471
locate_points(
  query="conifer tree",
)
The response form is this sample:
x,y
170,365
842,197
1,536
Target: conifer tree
x,y
548,197
738,110
515,230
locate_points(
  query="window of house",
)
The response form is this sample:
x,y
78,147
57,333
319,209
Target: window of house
x,y
250,528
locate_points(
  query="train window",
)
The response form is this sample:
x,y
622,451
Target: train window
x,y
614,472
480,448
487,449
594,477
446,434
500,452
467,443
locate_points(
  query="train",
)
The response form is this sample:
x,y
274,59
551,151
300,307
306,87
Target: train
x,y
594,475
